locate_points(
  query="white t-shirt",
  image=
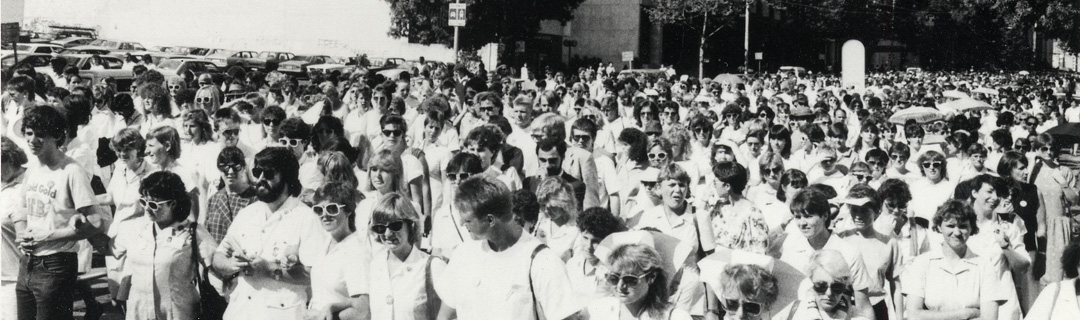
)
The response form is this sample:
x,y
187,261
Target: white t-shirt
x,y
341,274
399,289
52,198
483,284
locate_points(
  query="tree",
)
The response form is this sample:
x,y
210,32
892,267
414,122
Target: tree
x,y
705,17
426,21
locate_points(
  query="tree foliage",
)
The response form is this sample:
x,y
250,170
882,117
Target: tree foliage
x,y
426,21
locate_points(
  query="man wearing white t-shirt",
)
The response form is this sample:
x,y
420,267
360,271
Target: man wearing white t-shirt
x,y
505,273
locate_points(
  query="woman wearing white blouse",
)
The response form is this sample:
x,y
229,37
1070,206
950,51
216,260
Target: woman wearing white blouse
x,y
401,275
339,289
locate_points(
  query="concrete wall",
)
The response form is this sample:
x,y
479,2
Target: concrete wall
x,y
606,28
336,27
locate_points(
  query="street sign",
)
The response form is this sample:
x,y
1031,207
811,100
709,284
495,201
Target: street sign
x,y
759,55
457,14
628,56
10,32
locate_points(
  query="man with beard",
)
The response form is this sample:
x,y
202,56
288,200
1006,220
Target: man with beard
x,y
550,154
269,243
507,273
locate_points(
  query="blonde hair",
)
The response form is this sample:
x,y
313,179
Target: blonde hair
x,y
643,259
554,192
386,160
397,206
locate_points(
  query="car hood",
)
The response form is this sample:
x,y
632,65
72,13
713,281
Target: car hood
x,y
295,63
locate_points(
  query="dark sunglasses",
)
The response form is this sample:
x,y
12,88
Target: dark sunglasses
x,y
863,177
732,305
773,171
226,168
392,133
654,156
329,209
896,157
271,122
153,205
582,138
263,173
291,142
837,287
393,226
629,280
931,164
487,109
875,163
202,100
1043,149
458,176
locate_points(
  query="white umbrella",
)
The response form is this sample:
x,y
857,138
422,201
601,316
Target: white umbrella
x,y
955,94
964,105
1024,73
985,90
919,114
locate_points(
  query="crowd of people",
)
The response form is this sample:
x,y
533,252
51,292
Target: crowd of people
x,y
453,192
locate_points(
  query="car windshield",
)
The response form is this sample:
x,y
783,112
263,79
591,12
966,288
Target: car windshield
x,y
103,43
169,64
266,55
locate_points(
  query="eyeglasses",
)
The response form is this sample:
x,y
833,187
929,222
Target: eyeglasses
x,y
263,173
732,305
629,280
392,133
582,138
291,142
271,122
174,86
153,205
655,156
836,287
931,164
226,168
329,209
458,176
487,109
863,177
898,158
231,132
393,226
203,100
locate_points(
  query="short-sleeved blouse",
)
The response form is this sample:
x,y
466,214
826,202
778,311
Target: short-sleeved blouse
x,y
341,273
971,280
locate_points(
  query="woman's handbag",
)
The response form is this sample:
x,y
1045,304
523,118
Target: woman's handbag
x,y
212,305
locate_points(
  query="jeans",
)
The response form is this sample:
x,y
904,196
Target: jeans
x,y
46,286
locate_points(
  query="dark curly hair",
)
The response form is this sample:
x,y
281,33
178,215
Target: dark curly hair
x,y
526,206
599,222
167,186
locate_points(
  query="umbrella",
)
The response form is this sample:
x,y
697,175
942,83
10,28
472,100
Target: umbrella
x,y
728,78
955,94
788,278
673,253
964,105
1024,73
985,90
919,114
1066,133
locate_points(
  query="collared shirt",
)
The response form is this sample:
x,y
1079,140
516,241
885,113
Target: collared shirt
x,y
480,283
446,230
560,239
158,263
796,251
223,207
271,235
679,226
342,273
971,280
586,279
740,225
399,289
124,190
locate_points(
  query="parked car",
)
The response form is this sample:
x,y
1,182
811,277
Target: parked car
x,y
72,41
38,48
34,60
188,69
379,64
87,50
219,57
93,71
266,60
297,66
116,48
341,64
799,71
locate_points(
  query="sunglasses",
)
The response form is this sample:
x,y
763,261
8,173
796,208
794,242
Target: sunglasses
x,y
582,138
773,171
1043,149
931,164
654,156
226,168
291,142
174,87
629,280
392,133
863,177
897,158
487,109
458,176
329,209
271,122
875,163
896,206
837,287
393,226
732,305
263,173
203,100
153,205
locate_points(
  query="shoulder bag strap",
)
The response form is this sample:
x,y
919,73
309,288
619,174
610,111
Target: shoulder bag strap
x,y
536,309
794,309
199,276
433,301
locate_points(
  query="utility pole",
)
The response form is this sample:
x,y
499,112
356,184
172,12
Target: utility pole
x,y
746,40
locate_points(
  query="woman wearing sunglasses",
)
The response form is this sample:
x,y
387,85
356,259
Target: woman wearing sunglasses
x,y
208,98
748,293
158,108
446,229
339,283
978,290
638,285
160,263
829,291
659,152
400,274
933,187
